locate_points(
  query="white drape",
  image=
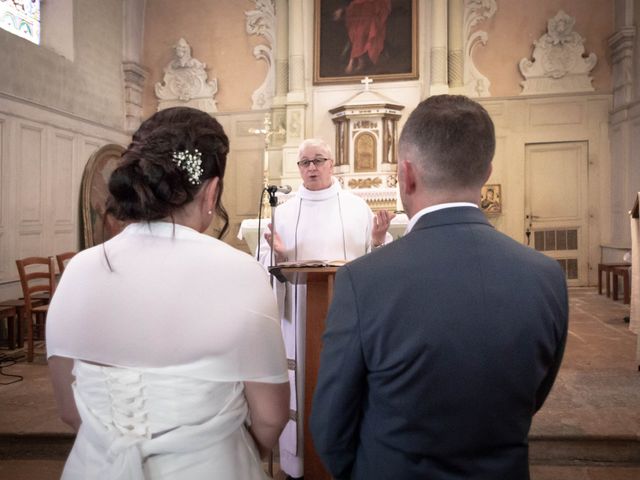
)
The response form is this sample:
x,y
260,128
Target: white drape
x,y
172,296
634,315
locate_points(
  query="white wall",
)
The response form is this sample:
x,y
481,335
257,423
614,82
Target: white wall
x,y
59,103
88,86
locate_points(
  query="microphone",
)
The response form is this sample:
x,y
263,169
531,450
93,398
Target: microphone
x,y
282,189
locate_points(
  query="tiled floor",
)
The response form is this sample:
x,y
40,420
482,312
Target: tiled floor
x,y
595,399
597,392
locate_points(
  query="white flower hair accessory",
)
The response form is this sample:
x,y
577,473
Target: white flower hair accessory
x,y
190,163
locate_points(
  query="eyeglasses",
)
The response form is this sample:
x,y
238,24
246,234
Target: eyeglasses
x,y
316,162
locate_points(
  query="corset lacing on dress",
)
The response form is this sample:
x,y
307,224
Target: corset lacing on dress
x,y
127,395
133,414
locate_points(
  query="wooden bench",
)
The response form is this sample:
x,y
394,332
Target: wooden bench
x,y
607,269
626,286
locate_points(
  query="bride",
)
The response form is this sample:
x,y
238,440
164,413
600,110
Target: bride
x,y
164,345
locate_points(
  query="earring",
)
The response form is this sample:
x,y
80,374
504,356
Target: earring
x,y
210,212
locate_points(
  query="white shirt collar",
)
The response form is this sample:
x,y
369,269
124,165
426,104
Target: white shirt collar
x,y
316,195
434,208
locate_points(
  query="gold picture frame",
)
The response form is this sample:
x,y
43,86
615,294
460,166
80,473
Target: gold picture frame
x,y
491,199
94,190
394,58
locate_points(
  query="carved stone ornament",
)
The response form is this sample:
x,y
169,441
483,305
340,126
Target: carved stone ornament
x,y
262,22
475,12
365,182
185,82
559,64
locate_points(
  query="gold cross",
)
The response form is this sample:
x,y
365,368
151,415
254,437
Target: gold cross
x,y
267,131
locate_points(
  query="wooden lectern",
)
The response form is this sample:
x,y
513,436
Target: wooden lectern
x,y
634,313
319,293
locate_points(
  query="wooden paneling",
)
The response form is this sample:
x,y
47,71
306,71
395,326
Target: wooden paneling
x,y
5,264
30,179
62,175
557,113
247,181
41,166
64,210
561,121
243,177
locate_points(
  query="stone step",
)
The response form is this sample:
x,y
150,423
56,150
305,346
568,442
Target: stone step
x,y
51,469
543,451
584,451
593,472
35,446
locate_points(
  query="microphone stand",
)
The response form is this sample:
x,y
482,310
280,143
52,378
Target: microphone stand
x,y
273,203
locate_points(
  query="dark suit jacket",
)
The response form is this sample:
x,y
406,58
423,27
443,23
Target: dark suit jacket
x,y
438,350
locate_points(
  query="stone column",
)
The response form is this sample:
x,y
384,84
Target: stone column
x,y
282,52
439,83
625,174
455,57
134,73
296,95
622,44
296,54
281,56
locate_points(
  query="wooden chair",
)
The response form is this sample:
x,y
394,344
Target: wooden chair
x,y
63,259
37,277
19,305
10,313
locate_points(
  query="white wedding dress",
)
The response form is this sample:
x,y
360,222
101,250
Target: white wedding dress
x,y
161,424
163,338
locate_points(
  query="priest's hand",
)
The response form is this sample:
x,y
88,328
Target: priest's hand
x,y
381,222
278,246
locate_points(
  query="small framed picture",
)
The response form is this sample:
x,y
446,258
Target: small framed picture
x,y
491,199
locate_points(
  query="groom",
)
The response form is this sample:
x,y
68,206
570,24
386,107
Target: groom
x,y
440,346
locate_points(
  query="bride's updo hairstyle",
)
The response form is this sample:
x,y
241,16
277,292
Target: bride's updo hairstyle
x,y
150,184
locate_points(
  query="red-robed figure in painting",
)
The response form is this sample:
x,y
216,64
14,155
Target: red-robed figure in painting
x,y
366,22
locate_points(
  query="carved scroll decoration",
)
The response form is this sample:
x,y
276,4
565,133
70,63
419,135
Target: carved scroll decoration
x,y
262,21
476,11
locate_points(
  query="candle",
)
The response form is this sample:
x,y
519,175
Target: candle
x,y
265,165
399,207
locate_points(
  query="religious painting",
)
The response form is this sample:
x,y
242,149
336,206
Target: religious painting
x,y
358,38
99,227
491,199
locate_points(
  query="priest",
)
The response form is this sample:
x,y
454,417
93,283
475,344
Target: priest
x,y
321,222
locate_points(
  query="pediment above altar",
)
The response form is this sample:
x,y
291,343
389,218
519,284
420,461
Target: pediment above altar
x,y
367,100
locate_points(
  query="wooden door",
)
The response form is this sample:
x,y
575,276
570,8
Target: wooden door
x,y
556,205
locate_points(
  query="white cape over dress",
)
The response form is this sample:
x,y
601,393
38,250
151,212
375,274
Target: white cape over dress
x,y
178,323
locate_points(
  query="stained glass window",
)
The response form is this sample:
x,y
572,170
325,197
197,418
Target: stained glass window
x,y
22,18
